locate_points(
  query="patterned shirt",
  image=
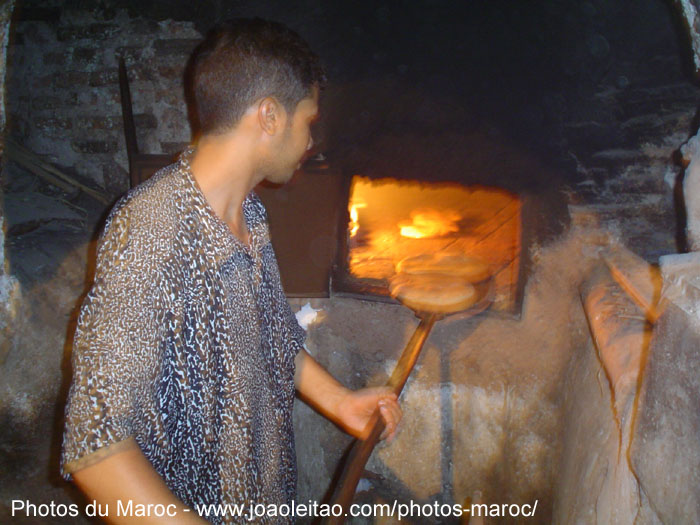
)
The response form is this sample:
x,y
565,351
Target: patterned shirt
x,y
186,344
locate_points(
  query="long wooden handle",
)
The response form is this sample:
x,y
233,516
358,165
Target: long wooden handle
x,y
362,448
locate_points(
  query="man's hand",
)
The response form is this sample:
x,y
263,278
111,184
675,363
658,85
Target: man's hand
x,y
355,410
351,410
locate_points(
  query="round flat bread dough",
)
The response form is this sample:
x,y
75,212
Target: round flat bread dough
x,y
470,269
433,292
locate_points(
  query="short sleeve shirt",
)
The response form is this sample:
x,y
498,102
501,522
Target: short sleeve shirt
x,y
186,344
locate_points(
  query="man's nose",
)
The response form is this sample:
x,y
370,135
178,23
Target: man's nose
x,y
310,144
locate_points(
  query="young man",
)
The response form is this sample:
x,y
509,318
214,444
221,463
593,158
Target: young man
x,y
187,355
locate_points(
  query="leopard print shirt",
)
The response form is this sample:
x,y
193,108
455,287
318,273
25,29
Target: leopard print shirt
x,y
186,343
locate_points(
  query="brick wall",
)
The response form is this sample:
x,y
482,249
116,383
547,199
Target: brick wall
x,y
63,88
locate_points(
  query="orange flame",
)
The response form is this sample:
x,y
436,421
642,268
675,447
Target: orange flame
x,y
354,217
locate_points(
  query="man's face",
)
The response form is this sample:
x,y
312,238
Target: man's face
x,y
295,140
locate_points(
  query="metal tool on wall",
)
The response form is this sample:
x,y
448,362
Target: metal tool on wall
x,y
429,308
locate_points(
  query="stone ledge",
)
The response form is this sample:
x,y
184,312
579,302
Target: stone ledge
x,y
681,273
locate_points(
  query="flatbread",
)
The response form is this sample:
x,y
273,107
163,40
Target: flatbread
x,y
470,269
433,292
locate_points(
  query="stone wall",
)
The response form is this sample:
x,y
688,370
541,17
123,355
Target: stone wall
x,y
8,285
72,113
612,128
688,10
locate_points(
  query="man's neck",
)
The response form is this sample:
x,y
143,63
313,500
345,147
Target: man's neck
x,y
224,169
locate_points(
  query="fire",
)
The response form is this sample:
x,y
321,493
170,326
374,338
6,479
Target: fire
x,y
390,220
355,217
430,223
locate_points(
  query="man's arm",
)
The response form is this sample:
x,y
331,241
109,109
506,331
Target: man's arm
x,y
349,409
128,475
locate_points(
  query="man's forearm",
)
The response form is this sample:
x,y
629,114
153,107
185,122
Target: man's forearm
x,y
351,410
129,476
317,386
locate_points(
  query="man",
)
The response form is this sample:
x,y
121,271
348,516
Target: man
x,y
187,355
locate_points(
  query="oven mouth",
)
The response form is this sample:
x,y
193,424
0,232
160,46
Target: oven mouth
x,y
386,220
311,226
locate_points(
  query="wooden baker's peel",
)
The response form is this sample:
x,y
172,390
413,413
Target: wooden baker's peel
x,y
433,287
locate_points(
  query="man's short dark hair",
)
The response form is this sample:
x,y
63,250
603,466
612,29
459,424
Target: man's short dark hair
x,y
243,60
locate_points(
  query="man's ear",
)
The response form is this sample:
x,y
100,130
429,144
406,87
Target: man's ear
x,y
271,115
